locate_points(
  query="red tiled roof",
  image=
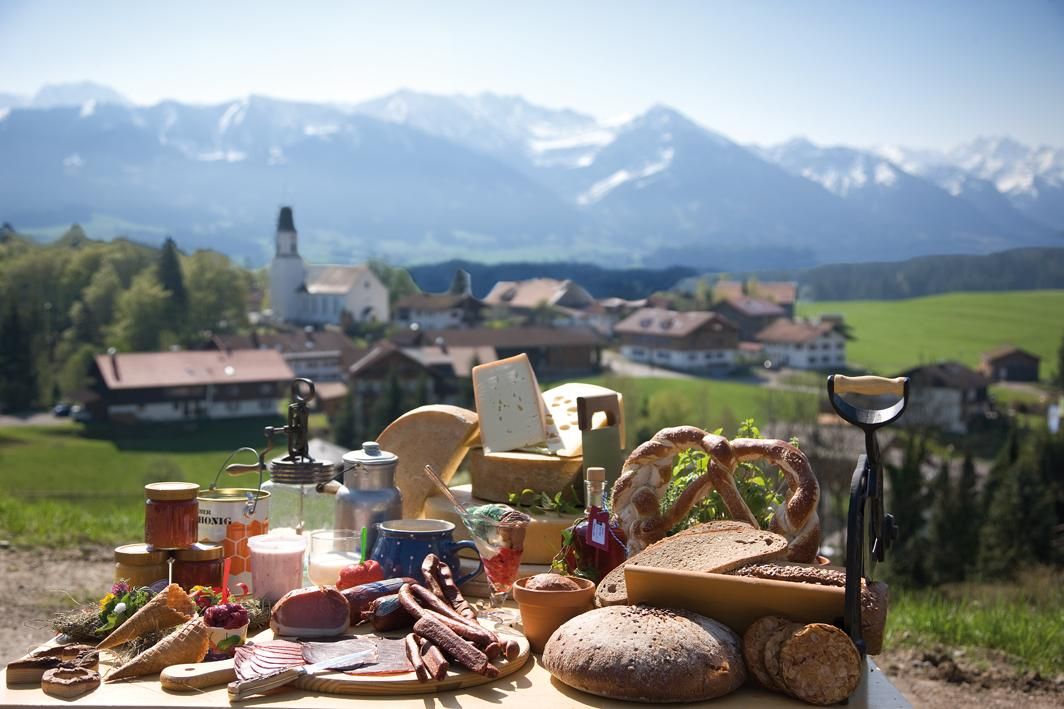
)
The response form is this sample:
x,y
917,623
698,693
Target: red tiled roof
x,y
146,370
784,331
670,323
755,307
783,292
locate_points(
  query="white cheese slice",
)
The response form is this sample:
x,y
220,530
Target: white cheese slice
x,y
563,429
509,404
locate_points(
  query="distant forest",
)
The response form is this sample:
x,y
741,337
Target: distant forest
x,y
1017,269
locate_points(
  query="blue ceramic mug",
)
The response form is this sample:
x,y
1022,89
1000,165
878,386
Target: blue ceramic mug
x,y
402,544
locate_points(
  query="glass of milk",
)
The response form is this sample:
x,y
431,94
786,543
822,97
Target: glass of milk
x,y
330,551
276,564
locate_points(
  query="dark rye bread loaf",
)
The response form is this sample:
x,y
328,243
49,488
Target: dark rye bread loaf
x,y
875,599
715,547
646,654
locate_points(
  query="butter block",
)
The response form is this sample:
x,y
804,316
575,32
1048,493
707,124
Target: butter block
x,y
496,475
542,540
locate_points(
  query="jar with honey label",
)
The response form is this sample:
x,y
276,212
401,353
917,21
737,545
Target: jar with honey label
x,y
199,565
171,515
140,565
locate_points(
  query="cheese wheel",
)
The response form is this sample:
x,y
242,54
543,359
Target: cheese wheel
x,y
438,435
542,540
496,475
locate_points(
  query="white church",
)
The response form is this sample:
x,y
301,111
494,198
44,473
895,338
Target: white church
x,y
301,294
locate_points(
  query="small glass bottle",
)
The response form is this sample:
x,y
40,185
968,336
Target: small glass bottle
x,y
596,543
199,565
171,515
140,565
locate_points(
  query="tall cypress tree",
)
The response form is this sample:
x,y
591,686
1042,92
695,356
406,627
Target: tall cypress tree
x,y
170,277
18,376
945,561
907,505
967,514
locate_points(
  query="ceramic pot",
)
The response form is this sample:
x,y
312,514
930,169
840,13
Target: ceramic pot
x,y
543,612
221,642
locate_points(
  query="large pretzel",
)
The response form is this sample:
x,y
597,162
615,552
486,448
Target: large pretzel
x,y
647,471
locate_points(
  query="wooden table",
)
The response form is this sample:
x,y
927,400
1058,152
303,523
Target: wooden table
x,y
531,686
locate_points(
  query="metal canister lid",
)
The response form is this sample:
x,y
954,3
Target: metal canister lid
x,y
301,471
171,491
370,454
140,555
200,551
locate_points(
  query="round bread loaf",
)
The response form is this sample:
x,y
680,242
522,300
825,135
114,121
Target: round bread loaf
x,y
771,653
551,582
819,664
646,654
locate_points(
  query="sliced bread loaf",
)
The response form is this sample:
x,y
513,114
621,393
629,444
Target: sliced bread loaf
x,y
715,547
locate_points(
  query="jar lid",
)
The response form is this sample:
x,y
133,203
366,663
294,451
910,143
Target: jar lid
x,y
200,552
140,554
171,491
370,454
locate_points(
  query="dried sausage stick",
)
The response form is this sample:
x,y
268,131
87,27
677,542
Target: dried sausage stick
x,y
408,602
428,601
429,569
478,635
458,649
453,595
435,662
511,650
413,653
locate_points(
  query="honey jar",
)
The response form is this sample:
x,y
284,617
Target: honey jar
x,y
171,515
199,565
140,565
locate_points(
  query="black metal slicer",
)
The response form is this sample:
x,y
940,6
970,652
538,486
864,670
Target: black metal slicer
x,y
870,532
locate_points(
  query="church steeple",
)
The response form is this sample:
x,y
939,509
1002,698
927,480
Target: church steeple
x,y
287,236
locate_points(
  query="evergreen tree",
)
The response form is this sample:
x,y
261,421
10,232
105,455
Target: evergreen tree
x,y
945,560
1060,364
967,513
390,405
344,425
999,553
18,376
461,283
171,279
907,504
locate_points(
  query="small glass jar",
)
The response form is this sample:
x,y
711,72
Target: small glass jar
x,y
140,565
171,515
199,565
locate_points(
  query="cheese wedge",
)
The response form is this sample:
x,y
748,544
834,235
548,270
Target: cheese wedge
x,y
438,435
509,404
543,538
563,427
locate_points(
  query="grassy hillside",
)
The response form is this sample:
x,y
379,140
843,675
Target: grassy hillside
x,y
894,335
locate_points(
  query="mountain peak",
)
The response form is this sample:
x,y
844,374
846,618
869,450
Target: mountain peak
x,y
76,93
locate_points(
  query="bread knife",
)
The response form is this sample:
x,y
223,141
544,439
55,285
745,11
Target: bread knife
x,y
242,689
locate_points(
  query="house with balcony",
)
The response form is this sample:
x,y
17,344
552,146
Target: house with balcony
x,y
803,344
691,341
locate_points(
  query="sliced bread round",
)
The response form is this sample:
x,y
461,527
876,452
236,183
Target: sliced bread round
x,y
715,547
646,654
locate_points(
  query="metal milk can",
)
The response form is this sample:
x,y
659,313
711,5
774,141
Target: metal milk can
x,y
368,495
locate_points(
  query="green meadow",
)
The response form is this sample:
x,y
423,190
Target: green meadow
x,y
893,335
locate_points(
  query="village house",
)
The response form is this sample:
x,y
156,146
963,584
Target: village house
x,y
782,293
1010,364
694,341
177,386
803,344
555,352
438,311
303,294
750,315
946,395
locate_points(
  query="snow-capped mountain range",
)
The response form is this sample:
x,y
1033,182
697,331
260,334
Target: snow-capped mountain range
x,y
420,177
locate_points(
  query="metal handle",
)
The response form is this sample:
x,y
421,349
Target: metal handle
x,y
242,689
241,468
869,385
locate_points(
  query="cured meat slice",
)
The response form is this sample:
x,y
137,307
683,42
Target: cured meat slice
x,y
270,656
391,658
321,651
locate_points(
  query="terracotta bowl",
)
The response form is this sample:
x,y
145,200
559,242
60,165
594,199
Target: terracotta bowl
x,y
542,612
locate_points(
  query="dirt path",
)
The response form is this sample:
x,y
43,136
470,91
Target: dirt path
x,y
34,584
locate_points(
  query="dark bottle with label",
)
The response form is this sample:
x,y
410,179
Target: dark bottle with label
x,y
595,545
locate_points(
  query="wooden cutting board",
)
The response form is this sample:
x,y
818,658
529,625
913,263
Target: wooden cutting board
x,y
202,675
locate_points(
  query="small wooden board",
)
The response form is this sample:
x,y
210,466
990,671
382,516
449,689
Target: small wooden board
x,y
736,601
190,677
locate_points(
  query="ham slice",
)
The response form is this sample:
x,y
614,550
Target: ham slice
x,y
318,612
266,657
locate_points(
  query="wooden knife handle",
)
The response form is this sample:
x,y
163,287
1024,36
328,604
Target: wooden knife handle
x,y
869,385
197,675
242,689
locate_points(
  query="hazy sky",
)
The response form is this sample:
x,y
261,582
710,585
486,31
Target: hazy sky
x,y
857,73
